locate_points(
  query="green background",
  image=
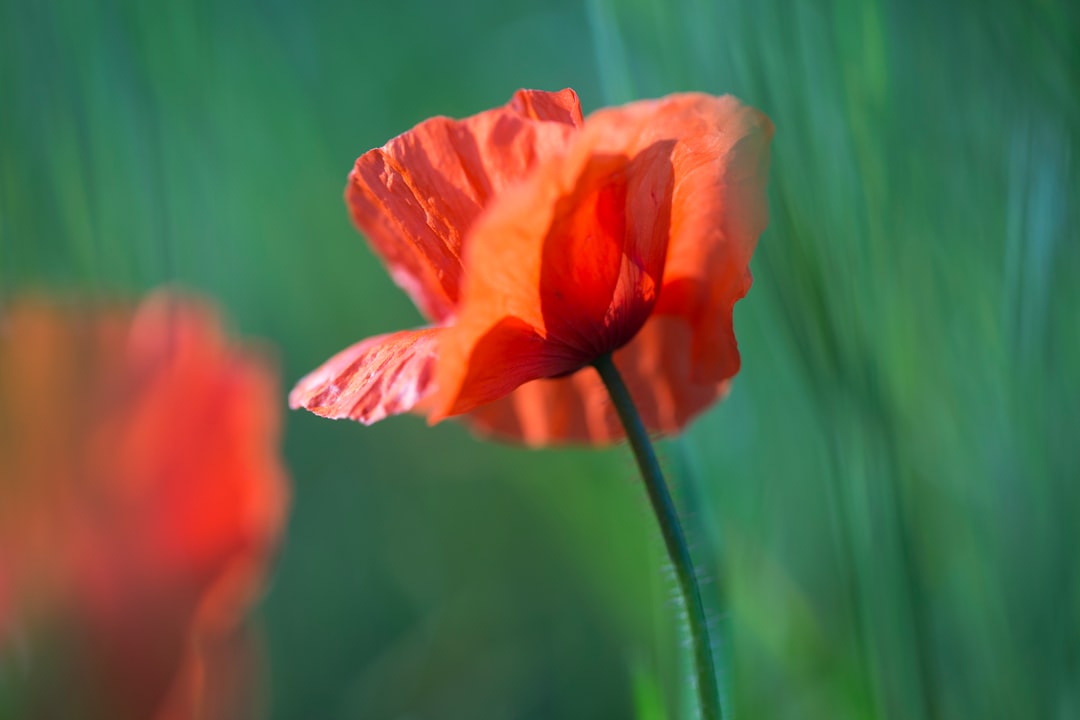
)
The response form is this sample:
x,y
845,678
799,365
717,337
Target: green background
x,y
886,510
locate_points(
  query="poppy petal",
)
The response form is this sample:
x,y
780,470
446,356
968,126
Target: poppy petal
x,y
718,212
574,256
417,196
656,367
381,376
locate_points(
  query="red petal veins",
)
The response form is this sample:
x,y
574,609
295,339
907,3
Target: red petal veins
x,y
559,107
417,197
381,376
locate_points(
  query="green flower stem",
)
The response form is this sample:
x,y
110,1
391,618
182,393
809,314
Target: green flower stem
x,y
707,690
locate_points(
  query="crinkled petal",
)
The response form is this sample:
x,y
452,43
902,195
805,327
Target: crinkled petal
x,y
416,197
656,367
381,376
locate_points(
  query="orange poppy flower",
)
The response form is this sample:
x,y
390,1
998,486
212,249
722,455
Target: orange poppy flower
x,y
535,242
141,497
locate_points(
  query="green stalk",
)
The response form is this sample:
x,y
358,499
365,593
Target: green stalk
x,y
707,690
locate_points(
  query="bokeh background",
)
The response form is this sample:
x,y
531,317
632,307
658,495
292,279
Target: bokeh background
x,y
886,510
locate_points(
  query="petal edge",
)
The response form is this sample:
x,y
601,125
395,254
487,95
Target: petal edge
x,y
373,379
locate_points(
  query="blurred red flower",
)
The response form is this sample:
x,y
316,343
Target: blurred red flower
x,y
537,241
142,495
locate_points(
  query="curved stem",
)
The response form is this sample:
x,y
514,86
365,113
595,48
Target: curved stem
x,y
707,690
